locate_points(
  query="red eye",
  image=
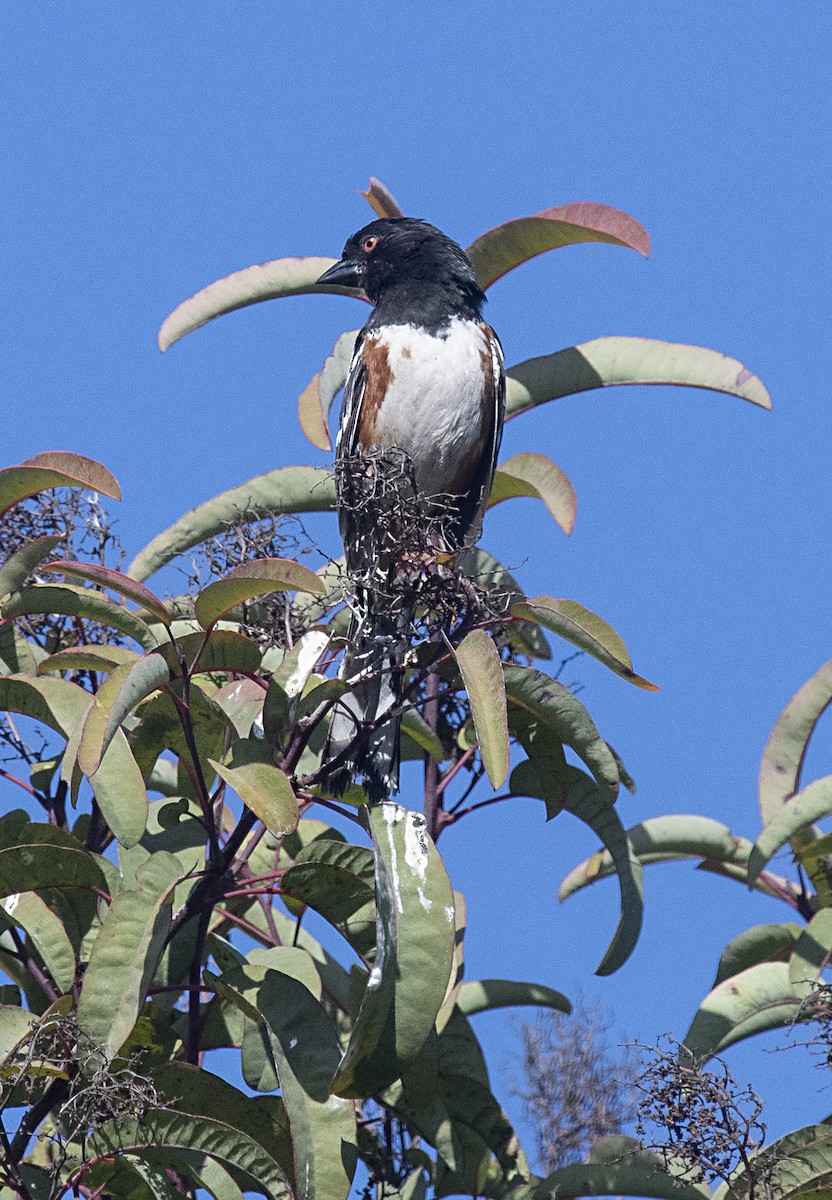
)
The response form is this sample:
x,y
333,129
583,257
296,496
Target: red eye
x,y
369,244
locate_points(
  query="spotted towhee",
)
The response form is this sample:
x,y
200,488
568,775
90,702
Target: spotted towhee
x,y
424,401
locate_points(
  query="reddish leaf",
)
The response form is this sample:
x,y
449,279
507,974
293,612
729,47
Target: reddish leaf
x,y
382,201
498,251
114,581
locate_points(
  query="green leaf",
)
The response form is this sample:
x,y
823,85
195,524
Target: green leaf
x,y
808,806
200,1093
584,629
610,361
306,1053
760,943
280,986
30,912
757,999
665,839
414,956
547,762
285,490
816,859
536,476
118,695
265,281
264,789
315,401
483,995
41,856
258,578
482,673
87,658
811,953
800,1165
17,569
336,880
785,749
499,250
417,728
161,1128
117,784
70,601
114,581
15,1026
126,952
220,650
587,801
641,1178
54,468
503,590
555,707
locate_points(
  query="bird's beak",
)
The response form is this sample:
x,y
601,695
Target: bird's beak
x,y
343,274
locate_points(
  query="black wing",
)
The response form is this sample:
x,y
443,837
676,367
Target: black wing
x,y
473,506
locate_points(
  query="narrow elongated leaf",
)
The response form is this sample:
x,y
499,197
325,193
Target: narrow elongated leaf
x,y
54,468
665,839
87,658
258,578
264,281
760,943
482,673
584,629
381,200
16,570
586,801
306,1053
285,490
70,601
483,995
264,789
555,707
414,953
811,953
315,401
498,251
47,932
114,581
758,999
535,475
126,953
812,804
785,749
613,361
168,1128
120,693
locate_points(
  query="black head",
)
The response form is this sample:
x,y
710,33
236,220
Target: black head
x,y
403,264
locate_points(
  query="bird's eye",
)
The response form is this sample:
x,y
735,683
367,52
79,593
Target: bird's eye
x,y
369,244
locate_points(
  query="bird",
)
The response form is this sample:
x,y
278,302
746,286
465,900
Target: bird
x,y
425,394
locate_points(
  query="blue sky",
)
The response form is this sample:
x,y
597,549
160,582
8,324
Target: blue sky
x,y
148,149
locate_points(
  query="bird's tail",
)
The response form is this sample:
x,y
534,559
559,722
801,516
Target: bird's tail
x,y
376,647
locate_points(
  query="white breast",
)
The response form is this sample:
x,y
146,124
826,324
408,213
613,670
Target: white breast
x,y
433,404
